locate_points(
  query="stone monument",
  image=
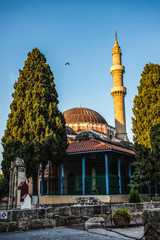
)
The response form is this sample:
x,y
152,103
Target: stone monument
x,y
17,175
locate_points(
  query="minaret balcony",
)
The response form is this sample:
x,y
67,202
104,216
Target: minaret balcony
x,y
118,90
117,68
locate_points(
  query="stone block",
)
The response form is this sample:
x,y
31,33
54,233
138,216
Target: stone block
x,y
156,204
27,214
88,211
13,226
52,211
148,206
83,219
17,216
32,224
34,214
65,211
3,227
95,222
96,210
61,221
130,206
41,213
48,223
23,226
75,211
139,207
73,220
105,209
151,222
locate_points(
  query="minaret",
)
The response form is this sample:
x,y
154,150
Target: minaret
x,y
118,92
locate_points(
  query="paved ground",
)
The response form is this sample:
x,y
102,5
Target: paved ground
x,y
62,233
120,233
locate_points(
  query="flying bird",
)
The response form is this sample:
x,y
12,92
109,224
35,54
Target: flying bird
x,y
67,63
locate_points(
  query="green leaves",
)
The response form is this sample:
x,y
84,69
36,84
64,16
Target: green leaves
x,y
35,128
146,126
147,104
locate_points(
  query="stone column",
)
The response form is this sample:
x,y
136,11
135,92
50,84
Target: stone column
x,y
17,175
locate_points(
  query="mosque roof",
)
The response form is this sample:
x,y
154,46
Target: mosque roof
x,y
83,115
85,135
70,131
96,145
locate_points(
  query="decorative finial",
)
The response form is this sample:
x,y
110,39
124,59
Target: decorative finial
x,y
116,37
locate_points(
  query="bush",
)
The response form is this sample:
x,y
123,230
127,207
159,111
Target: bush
x,y
123,213
134,196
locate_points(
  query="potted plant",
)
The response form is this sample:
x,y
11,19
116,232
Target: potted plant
x,y
122,217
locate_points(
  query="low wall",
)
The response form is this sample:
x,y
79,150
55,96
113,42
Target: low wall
x,y
63,214
54,199
151,222
73,198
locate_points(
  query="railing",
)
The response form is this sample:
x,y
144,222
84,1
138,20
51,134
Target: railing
x,y
113,184
94,185
125,183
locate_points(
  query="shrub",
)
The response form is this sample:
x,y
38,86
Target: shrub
x,y
123,213
134,196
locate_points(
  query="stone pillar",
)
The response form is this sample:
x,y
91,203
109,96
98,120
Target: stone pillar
x,y
17,175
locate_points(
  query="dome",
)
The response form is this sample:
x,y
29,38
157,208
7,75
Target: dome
x,y
83,115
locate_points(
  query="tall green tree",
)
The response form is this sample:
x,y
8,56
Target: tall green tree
x,y
146,126
35,128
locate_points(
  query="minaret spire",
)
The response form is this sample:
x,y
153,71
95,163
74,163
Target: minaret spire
x,y
116,37
118,92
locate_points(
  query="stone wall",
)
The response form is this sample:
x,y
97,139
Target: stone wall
x,y
45,216
20,220
151,222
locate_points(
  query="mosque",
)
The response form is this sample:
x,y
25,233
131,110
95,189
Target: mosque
x,y
99,156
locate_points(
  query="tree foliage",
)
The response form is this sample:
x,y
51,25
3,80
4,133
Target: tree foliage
x,y
35,128
4,186
146,127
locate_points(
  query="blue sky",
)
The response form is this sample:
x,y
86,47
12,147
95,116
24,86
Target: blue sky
x,y
82,33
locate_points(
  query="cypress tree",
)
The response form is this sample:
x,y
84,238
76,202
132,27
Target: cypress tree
x,y
35,128
146,125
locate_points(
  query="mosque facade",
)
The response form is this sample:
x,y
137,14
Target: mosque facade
x,y
99,156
